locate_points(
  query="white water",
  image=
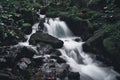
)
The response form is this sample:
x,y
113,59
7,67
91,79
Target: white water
x,y
26,43
72,52
34,29
57,28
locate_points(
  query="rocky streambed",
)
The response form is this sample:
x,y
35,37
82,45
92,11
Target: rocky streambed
x,y
38,61
52,52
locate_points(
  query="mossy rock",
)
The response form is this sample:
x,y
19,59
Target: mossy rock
x,y
109,45
26,28
38,78
26,24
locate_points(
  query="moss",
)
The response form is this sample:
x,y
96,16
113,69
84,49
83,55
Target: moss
x,y
26,25
38,79
109,44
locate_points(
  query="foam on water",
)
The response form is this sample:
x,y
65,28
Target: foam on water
x,y
72,52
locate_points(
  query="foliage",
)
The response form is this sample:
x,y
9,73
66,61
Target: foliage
x,y
104,20
103,17
13,15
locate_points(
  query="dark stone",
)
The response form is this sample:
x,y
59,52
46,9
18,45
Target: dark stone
x,y
25,52
41,24
38,61
26,28
118,77
59,59
9,40
44,48
3,63
64,72
6,77
73,76
43,10
6,57
95,45
77,39
87,48
55,53
23,63
45,38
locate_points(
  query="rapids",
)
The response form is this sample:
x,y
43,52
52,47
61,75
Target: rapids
x,y
72,52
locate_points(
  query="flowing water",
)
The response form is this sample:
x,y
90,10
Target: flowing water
x,y
72,52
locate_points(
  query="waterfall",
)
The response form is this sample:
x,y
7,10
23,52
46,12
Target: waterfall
x,y
57,28
72,52
34,29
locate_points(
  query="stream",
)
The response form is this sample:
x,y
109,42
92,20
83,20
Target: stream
x,y
72,52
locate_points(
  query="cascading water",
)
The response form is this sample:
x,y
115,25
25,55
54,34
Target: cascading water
x,y
57,28
72,52
34,29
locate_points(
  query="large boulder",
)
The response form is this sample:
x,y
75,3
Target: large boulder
x,y
4,76
74,76
104,49
45,38
24,52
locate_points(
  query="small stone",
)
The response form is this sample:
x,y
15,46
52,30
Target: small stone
x,y
22,65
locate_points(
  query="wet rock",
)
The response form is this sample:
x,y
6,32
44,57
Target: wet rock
x,y
41,24
6,57
73,76
9,40
59,59
55,53
38,61
77,39
87,48
62,71
26,60
22,65
4,76
25,52
43,48
97,45
118,77
3,63
26,28
45,38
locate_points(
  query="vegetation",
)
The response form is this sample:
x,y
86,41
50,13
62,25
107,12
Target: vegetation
x,y
14,16
106,20
103,16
